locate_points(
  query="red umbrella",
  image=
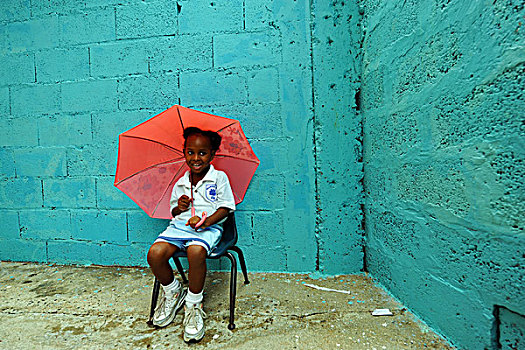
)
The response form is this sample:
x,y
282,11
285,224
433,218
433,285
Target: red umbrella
x,y
151,157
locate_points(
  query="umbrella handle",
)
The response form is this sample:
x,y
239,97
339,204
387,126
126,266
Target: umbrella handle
x,y
204,216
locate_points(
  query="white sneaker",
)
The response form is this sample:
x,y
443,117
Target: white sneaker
x,y
168,306
193,323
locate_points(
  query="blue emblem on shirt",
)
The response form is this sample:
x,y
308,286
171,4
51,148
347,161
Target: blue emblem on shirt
x,y
211,192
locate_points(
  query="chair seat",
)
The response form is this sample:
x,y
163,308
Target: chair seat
x,y
224,247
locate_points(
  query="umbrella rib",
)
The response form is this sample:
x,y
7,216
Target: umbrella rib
x,y
180,118
227,126
148,168
157,142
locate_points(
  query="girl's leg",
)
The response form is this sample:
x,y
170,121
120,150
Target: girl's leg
x,y
194,315
197,268
159,256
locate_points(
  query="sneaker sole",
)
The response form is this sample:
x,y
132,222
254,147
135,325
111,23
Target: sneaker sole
x,y
170,319
189,338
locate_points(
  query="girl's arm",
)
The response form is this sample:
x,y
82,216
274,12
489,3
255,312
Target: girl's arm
x,y
220,214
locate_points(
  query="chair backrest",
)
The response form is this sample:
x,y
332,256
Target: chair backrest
x,y
230,230
228,239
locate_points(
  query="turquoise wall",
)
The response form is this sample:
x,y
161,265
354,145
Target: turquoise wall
x,y
75,74
390,136
443,110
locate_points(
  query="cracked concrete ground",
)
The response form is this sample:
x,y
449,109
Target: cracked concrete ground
x,y
71,307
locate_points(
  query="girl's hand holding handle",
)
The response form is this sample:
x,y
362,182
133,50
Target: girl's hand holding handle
x,y
184,203
193,221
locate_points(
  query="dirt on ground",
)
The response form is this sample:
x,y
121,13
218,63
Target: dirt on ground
x,y
72,307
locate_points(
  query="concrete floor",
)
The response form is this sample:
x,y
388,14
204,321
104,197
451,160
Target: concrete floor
x,y
68,307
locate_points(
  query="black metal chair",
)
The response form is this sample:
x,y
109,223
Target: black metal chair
x,y
226,245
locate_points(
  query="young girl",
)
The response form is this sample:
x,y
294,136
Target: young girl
x,y
211,193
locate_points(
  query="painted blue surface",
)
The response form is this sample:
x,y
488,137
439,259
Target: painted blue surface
x,y
443,107
389,135
77,74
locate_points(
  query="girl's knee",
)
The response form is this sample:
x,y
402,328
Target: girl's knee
x,y
160,252
196,252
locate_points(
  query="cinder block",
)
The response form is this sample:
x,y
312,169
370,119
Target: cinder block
x,y
269,258
4,102
62,64
123,255
110,197
268,227
44,7
35,99
100,226
18,132
45,224
78,252
246,49
40,161
153,91
107,126
17,69
8,162
143,19
15,10
203,88
23,250
89,95
10,228
20,193
265,192
226,15
268,153
263,86
37,33
88,27
264,14
143,229
257,121
181,52
92,160
69,192
121,58
65,129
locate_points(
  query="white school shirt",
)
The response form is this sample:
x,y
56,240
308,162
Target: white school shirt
x,y
210,193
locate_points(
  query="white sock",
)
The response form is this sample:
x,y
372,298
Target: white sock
x,y
193,299
172,287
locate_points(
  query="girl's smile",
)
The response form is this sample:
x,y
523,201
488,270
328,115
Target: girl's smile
x,y
198,155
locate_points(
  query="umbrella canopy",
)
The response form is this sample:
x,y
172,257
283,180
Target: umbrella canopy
x,y
151,157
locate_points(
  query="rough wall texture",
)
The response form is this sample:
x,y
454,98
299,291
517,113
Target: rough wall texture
x,y
336,61
74,74
443,108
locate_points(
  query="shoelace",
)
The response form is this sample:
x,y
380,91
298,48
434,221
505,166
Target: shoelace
x,y
192,316
163,305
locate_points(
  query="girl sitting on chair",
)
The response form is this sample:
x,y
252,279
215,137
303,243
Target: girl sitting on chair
x,y
205,190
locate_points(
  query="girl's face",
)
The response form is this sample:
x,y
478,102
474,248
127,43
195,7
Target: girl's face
x,y
198,154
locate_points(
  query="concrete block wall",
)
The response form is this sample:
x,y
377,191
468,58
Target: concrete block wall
x,y
75,74
337,35
442,106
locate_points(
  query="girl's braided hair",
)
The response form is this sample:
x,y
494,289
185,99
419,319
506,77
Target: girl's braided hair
x,y
215,138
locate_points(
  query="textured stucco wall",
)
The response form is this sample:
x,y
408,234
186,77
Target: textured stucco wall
x,y
336,61
443,109
74,74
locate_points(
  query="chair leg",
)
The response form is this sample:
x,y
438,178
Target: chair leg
x,y
154,298
242,262
233,288
180,269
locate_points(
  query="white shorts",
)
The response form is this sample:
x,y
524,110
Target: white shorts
x,y
182,236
